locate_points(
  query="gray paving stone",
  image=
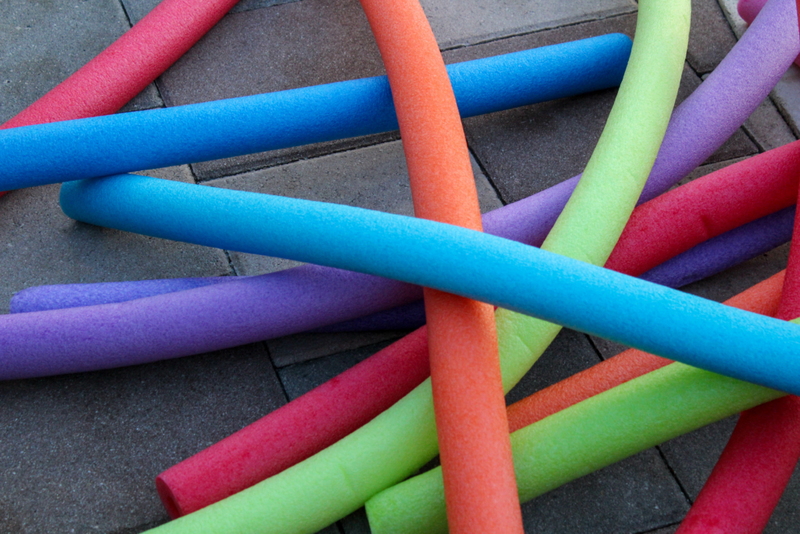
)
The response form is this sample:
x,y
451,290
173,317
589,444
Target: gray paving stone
x,y
472,21
570,353
301,378
620,24
632,496
373,177
356,523
526,150
41,245
693,455
737,23
607,348
79,453
787,514
147,99
42,43
137,9
708,168
591,504
300,348
786,96
767,127
710,36
666,530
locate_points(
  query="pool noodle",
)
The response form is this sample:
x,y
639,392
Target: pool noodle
x,y
761,298
140,140
130,64
468,398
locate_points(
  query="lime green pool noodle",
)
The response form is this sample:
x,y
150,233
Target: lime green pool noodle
x,y
394,445
583,438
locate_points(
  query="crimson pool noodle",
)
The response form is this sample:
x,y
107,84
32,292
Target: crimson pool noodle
x,y
525,279
100,146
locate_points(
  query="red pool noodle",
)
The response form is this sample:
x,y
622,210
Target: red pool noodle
x,y
130,64
640,249
228,466
472,429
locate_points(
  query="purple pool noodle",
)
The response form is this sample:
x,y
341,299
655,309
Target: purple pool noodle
x,y
60,296
725,251
257,308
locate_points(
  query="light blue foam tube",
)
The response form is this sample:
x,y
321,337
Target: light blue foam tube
x,y
100,146
505,273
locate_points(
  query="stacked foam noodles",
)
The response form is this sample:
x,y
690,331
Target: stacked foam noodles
x,y
85,200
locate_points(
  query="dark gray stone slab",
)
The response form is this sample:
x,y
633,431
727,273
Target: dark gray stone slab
x,y
147,99
42,43
299,348
635,495
40,245
786,516
737,23
356,523
373,177
570,353
620,24
301,378
786,96
473,21
607,348
79,453
693,455
529,149
710,36
137,9
666,530
767,127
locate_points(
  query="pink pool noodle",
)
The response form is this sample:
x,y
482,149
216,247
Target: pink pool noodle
x,y
260,451
130,64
